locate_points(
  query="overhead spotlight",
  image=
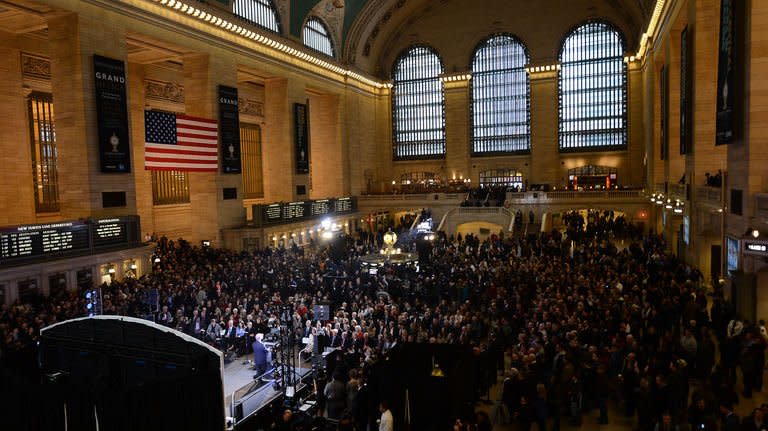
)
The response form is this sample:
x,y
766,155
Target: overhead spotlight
x,y
753,232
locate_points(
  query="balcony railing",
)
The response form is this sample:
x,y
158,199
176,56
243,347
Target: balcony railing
x,y
708,195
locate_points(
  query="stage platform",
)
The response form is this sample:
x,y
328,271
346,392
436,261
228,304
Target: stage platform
x,y
254,393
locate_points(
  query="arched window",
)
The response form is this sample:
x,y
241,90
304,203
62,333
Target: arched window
x,y
260,12
317,37
418,105
593,89
500,97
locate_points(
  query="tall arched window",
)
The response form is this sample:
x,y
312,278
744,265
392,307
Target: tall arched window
x,y
316,36
500,97
418,105
260,12
593,89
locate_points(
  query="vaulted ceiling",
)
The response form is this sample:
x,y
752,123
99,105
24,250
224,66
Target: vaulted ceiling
x,y
373,32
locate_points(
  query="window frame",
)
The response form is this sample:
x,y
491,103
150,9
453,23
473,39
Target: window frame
x,y
562,134
251,144
45,177
482,44
272,7
327,35
441,141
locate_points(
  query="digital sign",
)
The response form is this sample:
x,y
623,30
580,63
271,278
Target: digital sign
x,y
30,243
107,232
759,248
291,212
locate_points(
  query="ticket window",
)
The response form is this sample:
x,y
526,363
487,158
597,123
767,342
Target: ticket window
x,y
130,269
28,290
57,284
107,273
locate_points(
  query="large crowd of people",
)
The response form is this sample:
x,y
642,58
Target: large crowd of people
x,y
581,322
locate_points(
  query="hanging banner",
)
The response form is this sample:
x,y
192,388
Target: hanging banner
x,y
686,90
725,76
664,123
112,115
229,130
301,137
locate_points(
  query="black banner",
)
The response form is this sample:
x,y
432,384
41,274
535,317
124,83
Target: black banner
x,y
301,137
112,115
664,102
686,91
229,130
725,76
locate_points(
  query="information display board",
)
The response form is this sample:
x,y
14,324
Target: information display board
x,y
36,240
109,232
40,242
292,212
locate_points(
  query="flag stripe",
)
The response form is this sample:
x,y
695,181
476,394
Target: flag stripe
x,y
188,146
179,142
177,151
181,166
170,157
197,141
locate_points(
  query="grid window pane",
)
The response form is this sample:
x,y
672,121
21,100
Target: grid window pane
x,y
317,37
250,144
44,154
170,187
260,12
593,90
418,105
500,97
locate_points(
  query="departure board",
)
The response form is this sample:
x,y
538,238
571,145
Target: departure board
x,y
39,242
293,210
298,211
343,205
273,213
320,207
42,239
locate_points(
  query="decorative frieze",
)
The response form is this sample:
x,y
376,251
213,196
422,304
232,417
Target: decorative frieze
x,y
161,90
35,67
251,107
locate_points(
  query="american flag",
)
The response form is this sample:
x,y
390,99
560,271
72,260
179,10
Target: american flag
x,y
180,143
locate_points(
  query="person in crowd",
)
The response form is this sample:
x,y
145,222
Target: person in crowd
x,y
213,332
259,355
666,423
386,421
336,397
755,421
729,421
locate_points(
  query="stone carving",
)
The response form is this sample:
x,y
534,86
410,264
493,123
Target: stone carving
x,y
161,90
250,107
33,66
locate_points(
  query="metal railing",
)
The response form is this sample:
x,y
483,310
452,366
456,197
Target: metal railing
x,y
574,195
